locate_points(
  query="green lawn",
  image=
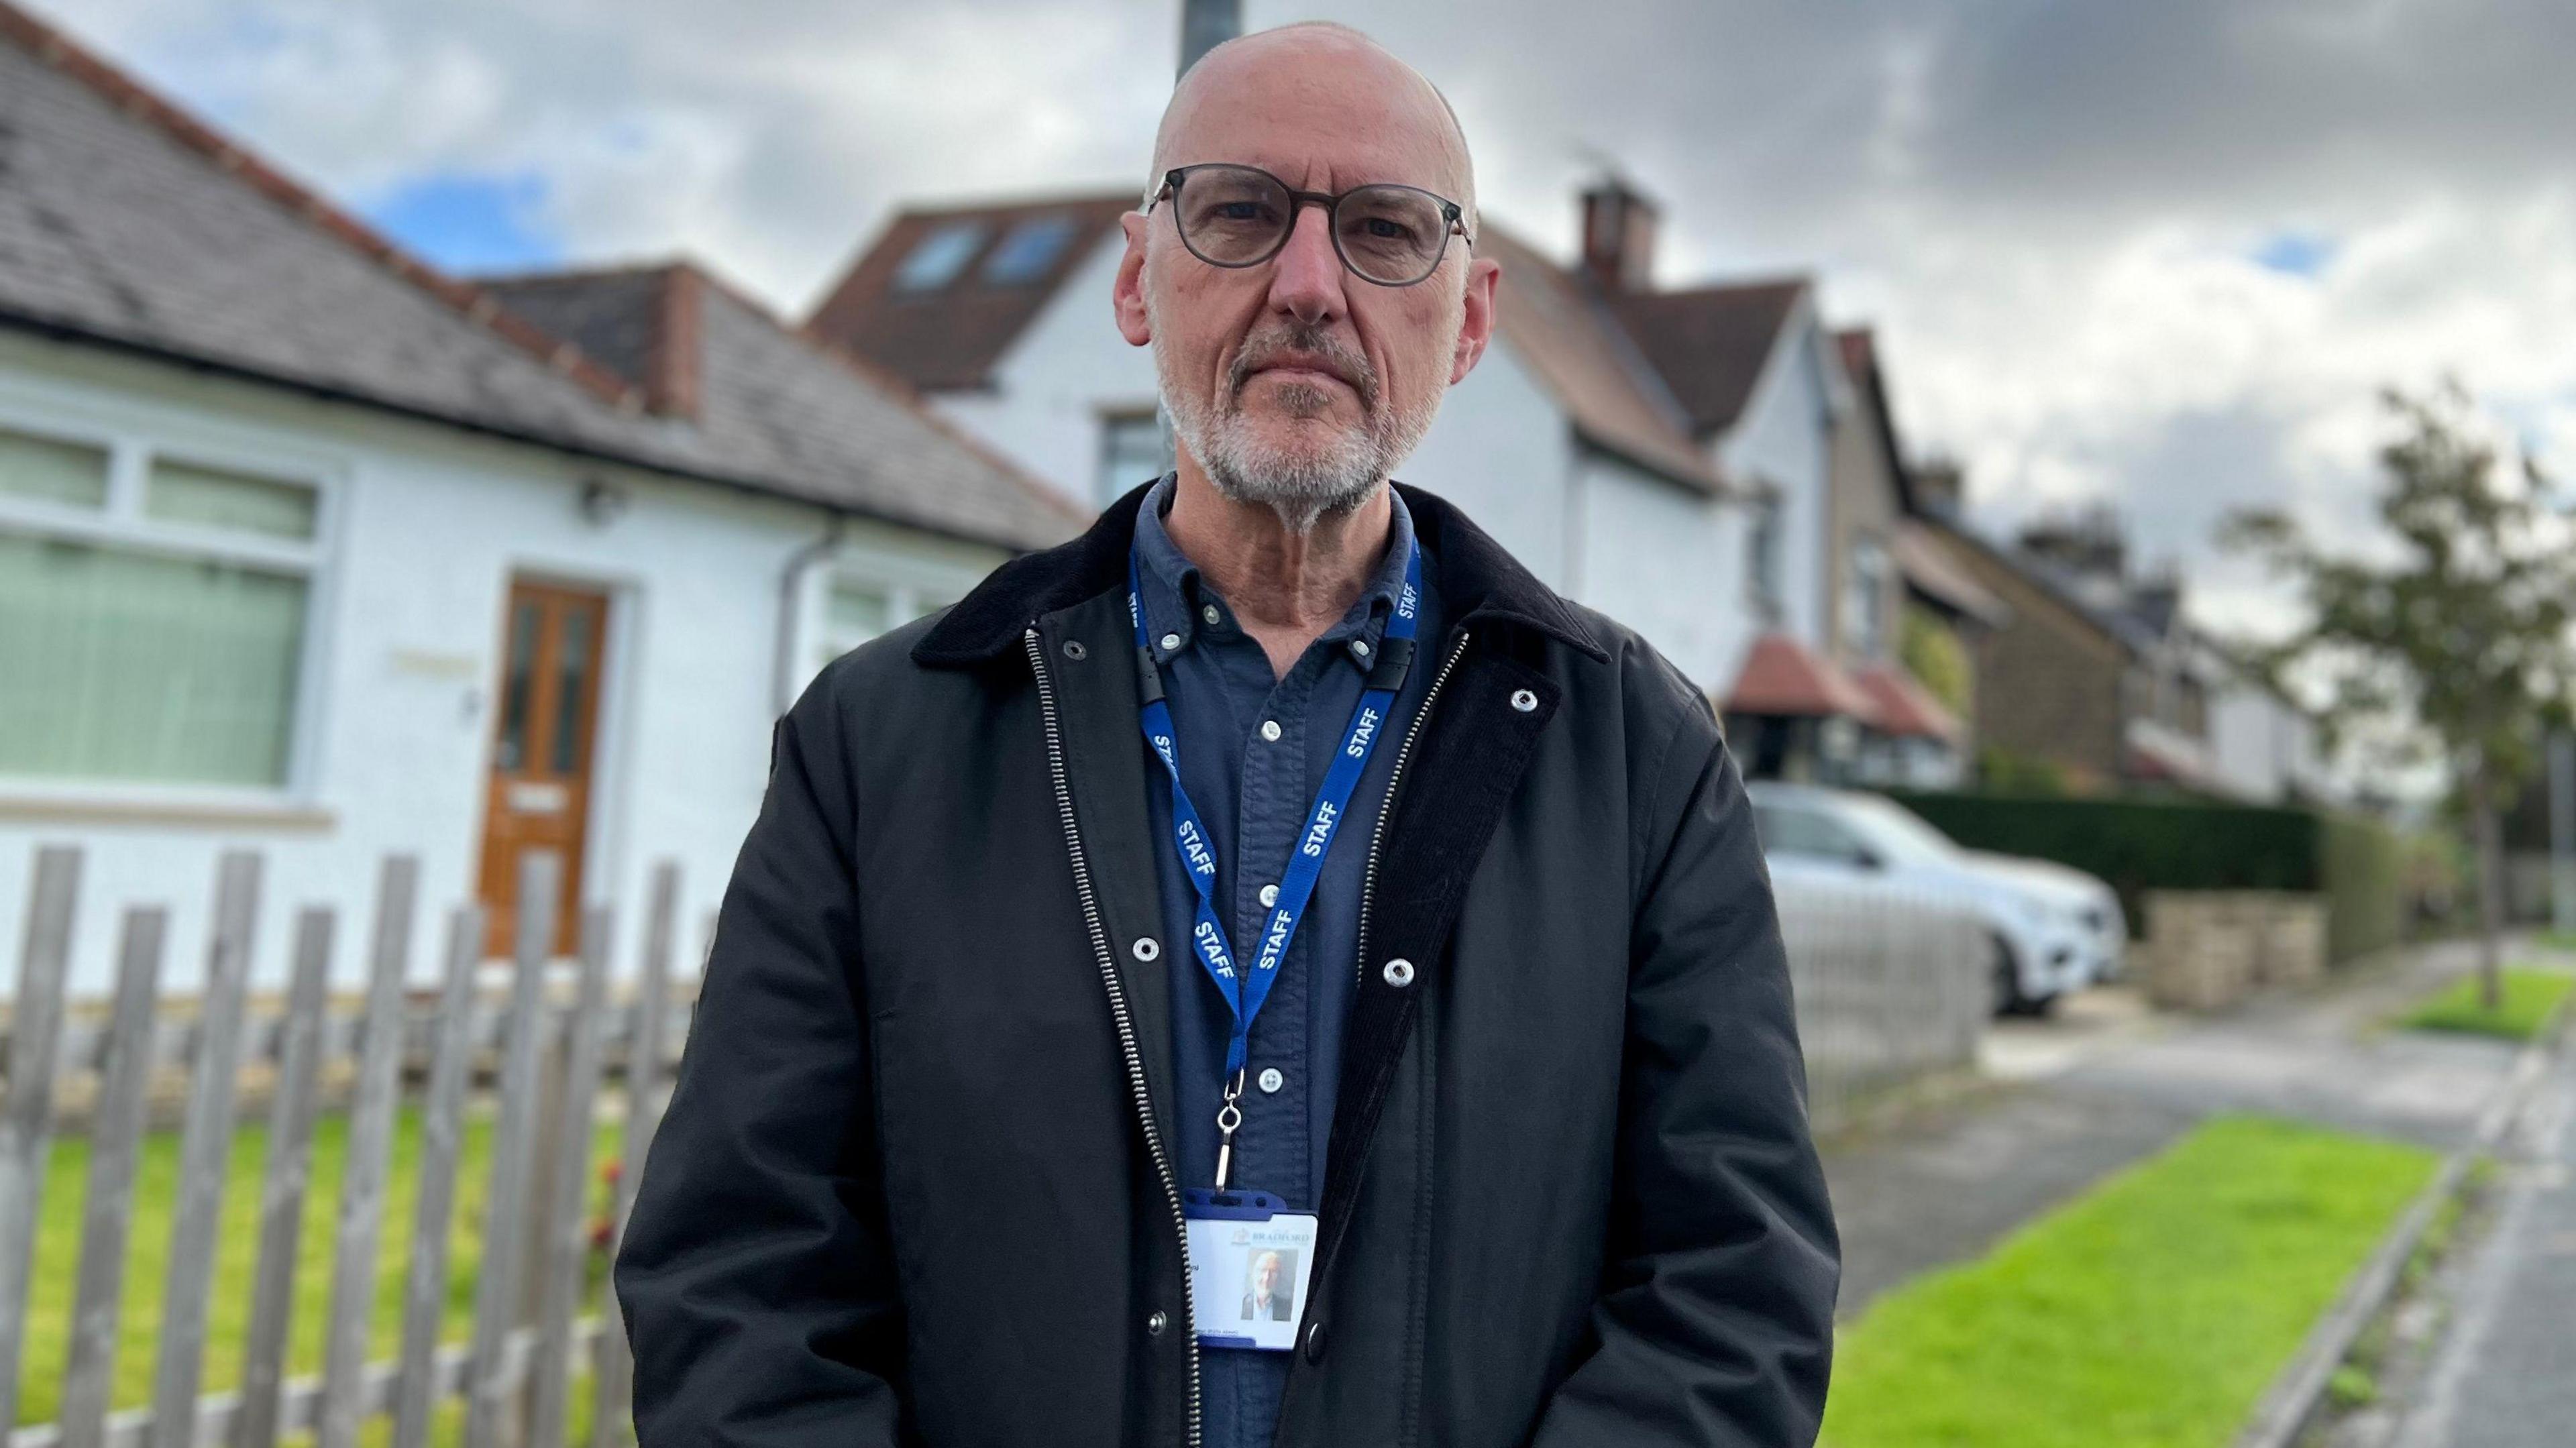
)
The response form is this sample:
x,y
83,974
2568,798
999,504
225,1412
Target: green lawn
x,y
2529,996
147,1265
2151,1312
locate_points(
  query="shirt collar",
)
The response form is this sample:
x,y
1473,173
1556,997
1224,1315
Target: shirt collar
x,y
1179,605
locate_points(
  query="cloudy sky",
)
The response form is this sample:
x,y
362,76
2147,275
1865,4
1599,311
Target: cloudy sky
x,y
2156,254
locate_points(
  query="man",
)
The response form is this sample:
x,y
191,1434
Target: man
x,y
1278,863
1265,1301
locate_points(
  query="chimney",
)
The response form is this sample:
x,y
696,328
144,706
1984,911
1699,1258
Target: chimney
x,y
2089,549
1618,236
1937,486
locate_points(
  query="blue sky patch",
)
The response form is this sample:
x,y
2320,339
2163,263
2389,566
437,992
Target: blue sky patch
x,y
2296,253
469,223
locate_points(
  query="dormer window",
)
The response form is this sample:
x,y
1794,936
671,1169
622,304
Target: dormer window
x,y
937,258
1031,248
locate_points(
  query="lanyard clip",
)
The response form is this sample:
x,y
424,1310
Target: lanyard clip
x,y
1228,1117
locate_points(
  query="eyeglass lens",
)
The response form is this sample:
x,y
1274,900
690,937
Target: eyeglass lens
x,y
1235,216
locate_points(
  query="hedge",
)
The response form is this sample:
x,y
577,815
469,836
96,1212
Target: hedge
x,y
2355,862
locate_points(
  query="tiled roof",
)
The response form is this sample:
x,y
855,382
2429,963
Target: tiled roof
x,y
949,335
1901,706
124,221
1926,565
1710,343
1555,321
1784,677
761,392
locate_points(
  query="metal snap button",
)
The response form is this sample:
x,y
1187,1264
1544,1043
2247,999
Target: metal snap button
x,y
1074,650
1271,1080
1270,730
1155,1324
1269,896
1171,641
1314,1342
1524,700
1145,948
1399,972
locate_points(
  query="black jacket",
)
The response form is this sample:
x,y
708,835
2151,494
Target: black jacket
x,y
1570,1197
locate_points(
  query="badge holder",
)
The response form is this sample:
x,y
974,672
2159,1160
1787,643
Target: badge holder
x,y
1250,1258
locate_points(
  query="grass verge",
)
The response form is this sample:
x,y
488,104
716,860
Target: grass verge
x,y
156,1195
2152,1312
2527,1000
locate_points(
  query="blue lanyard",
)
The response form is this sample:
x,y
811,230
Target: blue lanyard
x,y
1245,988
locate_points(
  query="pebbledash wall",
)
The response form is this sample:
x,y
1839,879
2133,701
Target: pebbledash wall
x,y
1662,558
422,527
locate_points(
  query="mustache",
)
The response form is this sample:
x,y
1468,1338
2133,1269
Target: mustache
x,y
1321,348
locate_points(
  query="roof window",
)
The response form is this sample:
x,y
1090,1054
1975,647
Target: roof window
x,y
938,258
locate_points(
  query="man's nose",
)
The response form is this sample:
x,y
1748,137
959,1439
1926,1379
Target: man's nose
x,y
1306,277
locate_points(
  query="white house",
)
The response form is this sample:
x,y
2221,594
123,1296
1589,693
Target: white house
x,y
1671,457
308,548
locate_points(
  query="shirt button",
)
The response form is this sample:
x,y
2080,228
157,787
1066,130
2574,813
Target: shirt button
x,y
1360,647
1269,896
1270,730
1171,641
1271,1080
1211,615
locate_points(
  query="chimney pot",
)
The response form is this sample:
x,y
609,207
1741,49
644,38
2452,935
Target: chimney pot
x,y
1619,236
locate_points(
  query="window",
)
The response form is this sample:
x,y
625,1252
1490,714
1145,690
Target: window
x,y
152,633
1029,250
1865,597
937,258
1789,831
1132,449
858,606
1762,563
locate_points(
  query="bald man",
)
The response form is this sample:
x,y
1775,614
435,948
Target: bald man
x,y
1279,867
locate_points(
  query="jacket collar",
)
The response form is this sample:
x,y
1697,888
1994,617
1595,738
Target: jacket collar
x,y
1478,580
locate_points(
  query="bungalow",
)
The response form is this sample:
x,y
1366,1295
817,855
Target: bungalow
x,y
1698,463
308,547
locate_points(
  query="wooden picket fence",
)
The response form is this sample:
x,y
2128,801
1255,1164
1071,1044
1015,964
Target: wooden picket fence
x,y
545,1059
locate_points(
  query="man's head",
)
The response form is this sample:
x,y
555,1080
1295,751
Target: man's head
x,y
1265,1275
1294,383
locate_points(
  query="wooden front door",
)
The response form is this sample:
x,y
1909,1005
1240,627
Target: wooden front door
x,y
538,796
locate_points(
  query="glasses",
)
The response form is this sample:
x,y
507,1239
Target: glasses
x,y
1240,216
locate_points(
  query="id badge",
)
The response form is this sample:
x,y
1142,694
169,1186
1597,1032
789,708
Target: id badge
x,y
1249,1260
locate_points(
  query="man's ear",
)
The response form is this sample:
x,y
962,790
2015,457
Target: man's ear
x,y
1127,294
1484,281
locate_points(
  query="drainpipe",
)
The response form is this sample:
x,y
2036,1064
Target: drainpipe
x,y
791,587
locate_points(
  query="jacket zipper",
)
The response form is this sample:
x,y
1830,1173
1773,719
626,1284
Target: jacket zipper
x,y
1118,1005
1386,807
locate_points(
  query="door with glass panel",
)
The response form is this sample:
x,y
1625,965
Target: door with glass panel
x,y
538,793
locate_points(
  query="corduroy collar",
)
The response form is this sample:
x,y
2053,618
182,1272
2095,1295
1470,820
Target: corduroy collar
x,y
1478,580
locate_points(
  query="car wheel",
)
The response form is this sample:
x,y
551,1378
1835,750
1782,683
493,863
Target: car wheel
x,y
2009,1001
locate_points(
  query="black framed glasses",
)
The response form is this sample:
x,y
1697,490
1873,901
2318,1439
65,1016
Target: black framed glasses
x,y
1239,216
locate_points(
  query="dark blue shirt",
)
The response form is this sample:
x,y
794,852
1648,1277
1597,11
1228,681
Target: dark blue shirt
x,y
1253,792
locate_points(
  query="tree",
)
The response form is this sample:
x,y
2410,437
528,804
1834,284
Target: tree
x,y
2456,651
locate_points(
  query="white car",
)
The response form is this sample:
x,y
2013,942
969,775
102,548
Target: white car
x,y
2051,929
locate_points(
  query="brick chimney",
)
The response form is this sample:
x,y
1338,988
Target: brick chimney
x,y
1618,236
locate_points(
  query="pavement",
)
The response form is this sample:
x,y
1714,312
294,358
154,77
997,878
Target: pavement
x,y
2067,1100
2504,1375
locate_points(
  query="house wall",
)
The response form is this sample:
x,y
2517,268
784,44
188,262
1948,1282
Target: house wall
x,y
1784,438
1053,386
1862,503
425,526
1669,562
2260,747
2049,684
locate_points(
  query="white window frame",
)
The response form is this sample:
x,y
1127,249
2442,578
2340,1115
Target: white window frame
x,y
906,579
122,524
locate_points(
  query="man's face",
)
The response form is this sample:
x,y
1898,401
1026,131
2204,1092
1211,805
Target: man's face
x,y
1265,1275
1293,382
